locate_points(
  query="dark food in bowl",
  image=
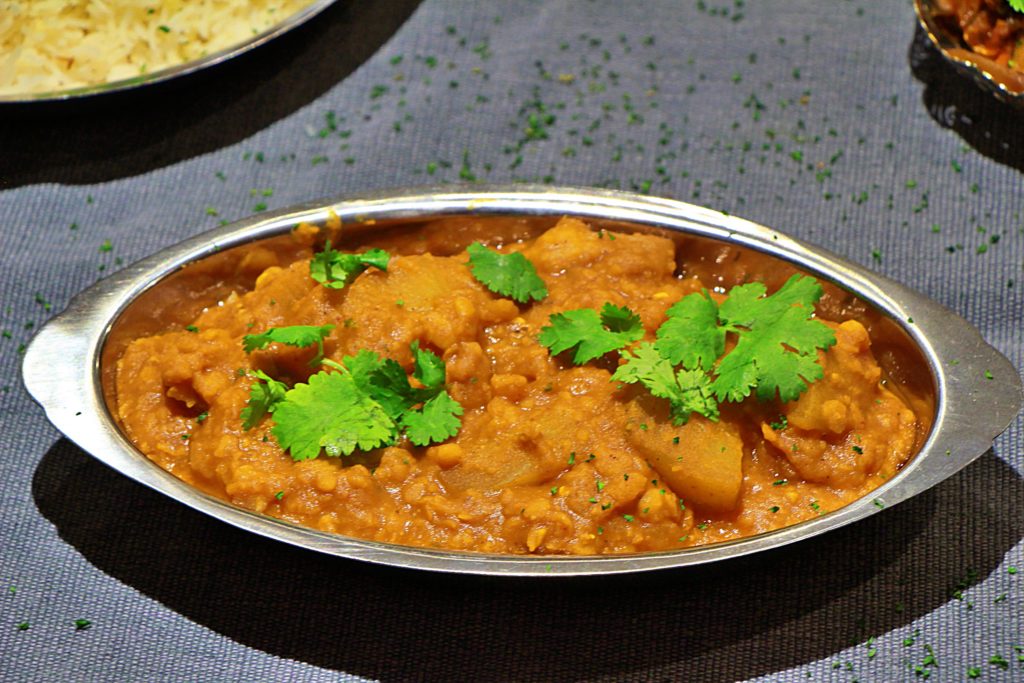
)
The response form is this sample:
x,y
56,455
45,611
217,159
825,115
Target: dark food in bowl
x,y
990,27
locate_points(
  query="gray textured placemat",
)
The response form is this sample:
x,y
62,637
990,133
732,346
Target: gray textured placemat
x,y
825,120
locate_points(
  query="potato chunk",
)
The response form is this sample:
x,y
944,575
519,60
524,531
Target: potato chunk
x,y
701,461
434,300
847,426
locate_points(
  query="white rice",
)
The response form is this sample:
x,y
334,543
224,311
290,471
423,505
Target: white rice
x,y
50,45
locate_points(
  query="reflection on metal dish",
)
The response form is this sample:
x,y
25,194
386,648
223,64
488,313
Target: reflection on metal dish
x,y
1005,83
977,392
171,72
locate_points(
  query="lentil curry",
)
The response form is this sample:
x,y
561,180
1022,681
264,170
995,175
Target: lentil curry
x,y
991,28
539,453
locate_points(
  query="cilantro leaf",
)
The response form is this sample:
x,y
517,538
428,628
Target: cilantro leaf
x,y
691,335
361,366
696,396
295,335
647,366
778,341
264,395
510,275
747,306
389,386
330,413
334,269
385,380
1017,5
620,319
762,361
436,421
366,404
591,335
776,351
688,391
428,368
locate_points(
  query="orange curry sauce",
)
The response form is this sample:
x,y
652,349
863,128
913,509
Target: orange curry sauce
x,y
989,27
551,457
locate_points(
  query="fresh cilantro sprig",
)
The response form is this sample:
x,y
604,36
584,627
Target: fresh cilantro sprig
x,y
330,413
364,402
333,269
691,335
293,335
264,394
436,421
510,275
428,370
1017,5
384,380
687,391
590,334
777,341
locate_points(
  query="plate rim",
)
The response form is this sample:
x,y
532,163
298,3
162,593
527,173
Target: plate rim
x,y
173,71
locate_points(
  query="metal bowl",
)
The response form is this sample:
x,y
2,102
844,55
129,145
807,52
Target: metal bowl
x,y
977,391
1005,83
298,18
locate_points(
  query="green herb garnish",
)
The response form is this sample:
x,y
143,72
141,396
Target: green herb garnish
x,y
777,345
428,369
999,661
436,421
775,353
363,403
334,269
510,275
294,335
590,334
687,391
265,393
329,413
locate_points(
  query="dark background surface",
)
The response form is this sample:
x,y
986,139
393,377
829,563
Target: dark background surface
x,y
99,138
129,133
755,111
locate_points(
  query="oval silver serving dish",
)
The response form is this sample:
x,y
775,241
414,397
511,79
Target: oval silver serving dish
x,y
1005,83
294,20
976,397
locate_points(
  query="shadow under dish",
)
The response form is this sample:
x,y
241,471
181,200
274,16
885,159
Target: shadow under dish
x,y
747,617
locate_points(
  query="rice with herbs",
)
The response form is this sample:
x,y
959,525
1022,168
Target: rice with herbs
x,y
52,45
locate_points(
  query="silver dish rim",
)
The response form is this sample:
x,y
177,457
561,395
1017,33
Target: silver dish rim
x,y
171,72
978,391
945,41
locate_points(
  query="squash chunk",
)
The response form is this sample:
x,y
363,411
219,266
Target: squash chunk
x,y
701,461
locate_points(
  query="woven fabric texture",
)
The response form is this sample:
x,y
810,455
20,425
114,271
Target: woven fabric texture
x,y
831,121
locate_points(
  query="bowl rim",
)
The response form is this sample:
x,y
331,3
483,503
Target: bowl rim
x,y
978,391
